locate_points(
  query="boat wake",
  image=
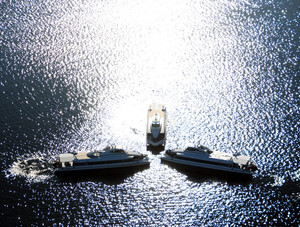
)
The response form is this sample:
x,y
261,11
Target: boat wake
x,y
296,175
288,183
33,169
278,181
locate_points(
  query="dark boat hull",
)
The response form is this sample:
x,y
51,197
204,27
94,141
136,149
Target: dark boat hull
x,y
195,168
106,169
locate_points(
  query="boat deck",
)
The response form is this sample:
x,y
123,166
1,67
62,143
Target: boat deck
x,y
156,111
80,156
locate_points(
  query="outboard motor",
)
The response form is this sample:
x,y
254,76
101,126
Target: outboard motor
x,y
56,163
171,153
253,167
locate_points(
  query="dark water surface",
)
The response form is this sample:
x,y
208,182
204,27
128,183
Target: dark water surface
x,y
79,75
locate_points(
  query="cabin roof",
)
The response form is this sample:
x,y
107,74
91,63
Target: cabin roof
x,y
66,157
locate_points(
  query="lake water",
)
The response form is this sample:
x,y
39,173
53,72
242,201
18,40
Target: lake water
x,y
80,75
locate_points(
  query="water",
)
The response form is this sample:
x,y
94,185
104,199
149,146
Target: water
x,y
77,76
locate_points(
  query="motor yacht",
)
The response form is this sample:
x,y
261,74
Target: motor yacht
x,y
203,159
110,158
156,125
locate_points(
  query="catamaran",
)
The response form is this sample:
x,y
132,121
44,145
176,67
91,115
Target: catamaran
x,y
202,158
110,158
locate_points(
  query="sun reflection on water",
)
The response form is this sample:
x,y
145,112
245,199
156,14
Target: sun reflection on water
x,y
83,75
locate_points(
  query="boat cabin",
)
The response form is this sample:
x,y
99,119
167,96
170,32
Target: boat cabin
x,y
199,149
66,160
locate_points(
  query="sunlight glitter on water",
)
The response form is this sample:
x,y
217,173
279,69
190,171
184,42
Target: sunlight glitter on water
x,y
81,75
34,169
150,61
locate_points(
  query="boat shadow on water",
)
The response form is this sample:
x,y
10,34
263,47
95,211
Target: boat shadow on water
x,y
200,175
155,149
110,177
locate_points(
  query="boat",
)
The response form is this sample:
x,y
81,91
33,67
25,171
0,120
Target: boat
x,y
156,125
205,160
110,158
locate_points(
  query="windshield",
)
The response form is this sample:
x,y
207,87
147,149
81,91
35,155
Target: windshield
x,y
155,124
117,151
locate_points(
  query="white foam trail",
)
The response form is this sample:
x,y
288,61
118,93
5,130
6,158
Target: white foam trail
x,y
278,181
296,175
33,169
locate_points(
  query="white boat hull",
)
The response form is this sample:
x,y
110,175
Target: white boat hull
x,y
156,125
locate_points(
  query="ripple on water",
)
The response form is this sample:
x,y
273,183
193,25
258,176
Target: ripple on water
x,y
78,76
34,169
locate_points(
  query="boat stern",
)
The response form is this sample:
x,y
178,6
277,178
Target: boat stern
x,y
65,160
252,166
